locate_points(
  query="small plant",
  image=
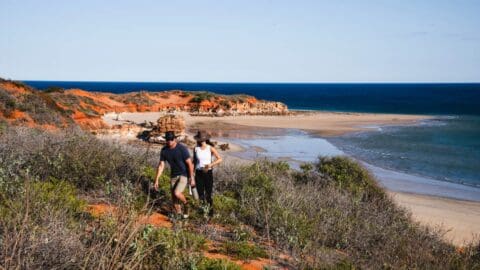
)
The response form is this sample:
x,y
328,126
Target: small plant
x,y
225,208
201,96
216,264
244,250
53,89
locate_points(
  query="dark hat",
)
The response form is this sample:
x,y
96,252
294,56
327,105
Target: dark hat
x,y
169,136
202,135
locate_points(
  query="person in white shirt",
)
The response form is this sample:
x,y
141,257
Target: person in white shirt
x,y
205,157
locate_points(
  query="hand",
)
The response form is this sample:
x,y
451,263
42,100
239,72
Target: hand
x,y
156,186
192,182
206,167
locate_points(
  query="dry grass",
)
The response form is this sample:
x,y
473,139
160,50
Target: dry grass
x,y
331,214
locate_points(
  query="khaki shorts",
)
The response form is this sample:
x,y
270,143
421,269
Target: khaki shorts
x,y
178,183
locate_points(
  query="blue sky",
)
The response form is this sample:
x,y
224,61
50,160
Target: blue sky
x,y
241,41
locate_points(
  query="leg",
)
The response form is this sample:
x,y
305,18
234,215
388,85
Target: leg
x,y
178,192
177,188
209,189
200,181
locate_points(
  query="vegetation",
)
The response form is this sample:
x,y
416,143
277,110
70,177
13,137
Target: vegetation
x,y
244,250
329,215
53,89
39,105
333,213
198,97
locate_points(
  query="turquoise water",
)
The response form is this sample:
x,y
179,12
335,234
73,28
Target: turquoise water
x,y
445,148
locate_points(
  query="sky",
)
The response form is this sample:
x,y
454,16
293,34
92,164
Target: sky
x,y
241,41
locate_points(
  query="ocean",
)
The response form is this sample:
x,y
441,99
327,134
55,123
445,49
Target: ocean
x,y
445,148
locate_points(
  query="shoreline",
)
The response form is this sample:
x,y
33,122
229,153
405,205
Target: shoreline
x,y
459,219
320,123
436,210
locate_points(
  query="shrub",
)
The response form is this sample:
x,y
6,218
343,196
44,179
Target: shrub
x,y
350,176
71,155
38,226
217,264
53,89
201,96
333,216
172,249
225,207
7,103
244,250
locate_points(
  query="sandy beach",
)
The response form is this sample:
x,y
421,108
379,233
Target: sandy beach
x,y
320,123
461,219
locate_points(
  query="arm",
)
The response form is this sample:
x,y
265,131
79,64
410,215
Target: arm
x,y
218,158
194,157
161,166
190,171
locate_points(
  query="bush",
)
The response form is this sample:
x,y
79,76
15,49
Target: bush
x,y
217,264
225,207
38,226
350,176
244,250
7,103
201,96
70,155
53,89
172,249
333,216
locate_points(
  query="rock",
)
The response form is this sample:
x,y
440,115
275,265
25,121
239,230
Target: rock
x,y
224,146
169,122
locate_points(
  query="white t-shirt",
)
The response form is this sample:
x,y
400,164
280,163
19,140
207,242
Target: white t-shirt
x,y
203,157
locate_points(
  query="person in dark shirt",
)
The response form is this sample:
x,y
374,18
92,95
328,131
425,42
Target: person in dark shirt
x,y
181,169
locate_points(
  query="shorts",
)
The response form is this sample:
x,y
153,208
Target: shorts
x,y
178,183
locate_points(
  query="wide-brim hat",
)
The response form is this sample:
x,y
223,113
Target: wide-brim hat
x,y
169,135
201,135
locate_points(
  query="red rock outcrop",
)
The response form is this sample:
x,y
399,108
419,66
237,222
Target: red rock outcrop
x,y
86,108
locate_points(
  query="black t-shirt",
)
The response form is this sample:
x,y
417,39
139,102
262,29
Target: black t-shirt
x,y
176,158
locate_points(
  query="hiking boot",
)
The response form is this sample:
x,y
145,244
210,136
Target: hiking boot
x,y
185,210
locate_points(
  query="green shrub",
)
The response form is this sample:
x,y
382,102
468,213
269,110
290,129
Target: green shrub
x,y
225,208
351,176
201,96
217,264
244,250
172,249
44,197
58,194
53,89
